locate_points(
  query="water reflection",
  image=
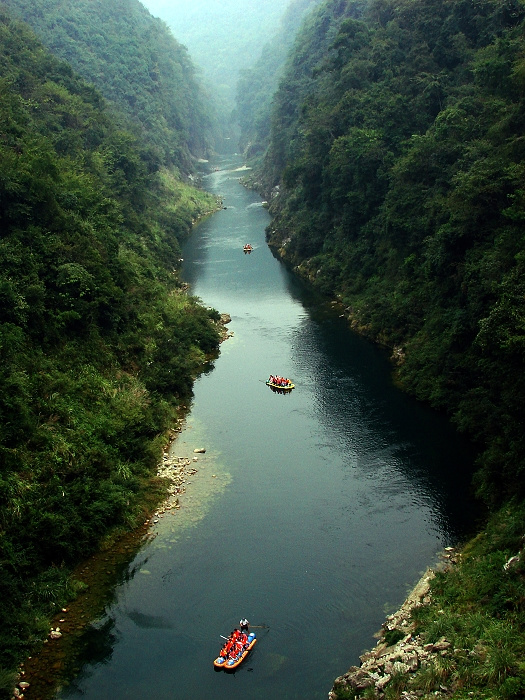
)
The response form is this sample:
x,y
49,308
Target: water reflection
x,y
148,622
384,433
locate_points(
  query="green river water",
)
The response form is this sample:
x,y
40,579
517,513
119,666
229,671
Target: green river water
x,y
311,513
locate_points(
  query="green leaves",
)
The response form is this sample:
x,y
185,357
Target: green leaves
x,y
97,341
135,62
397,149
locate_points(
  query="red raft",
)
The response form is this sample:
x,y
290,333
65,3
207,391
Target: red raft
x,y
235,649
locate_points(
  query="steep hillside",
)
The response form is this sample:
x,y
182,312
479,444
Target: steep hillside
x,y
98,342
257,85
395,171
222,36
135,62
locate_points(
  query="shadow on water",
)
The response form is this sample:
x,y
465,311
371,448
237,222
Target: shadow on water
x,y
357,386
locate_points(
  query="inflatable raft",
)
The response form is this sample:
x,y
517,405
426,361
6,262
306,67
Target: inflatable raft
x,y
279,386
235,658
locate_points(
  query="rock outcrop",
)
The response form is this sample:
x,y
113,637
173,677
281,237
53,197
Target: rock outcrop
x,y
404,656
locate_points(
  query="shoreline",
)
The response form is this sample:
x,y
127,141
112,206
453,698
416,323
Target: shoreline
x,y
53,663
407,653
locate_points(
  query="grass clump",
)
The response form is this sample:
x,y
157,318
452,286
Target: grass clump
x,y
479,607
391,637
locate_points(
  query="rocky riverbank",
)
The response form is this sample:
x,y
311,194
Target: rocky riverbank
x,y
175,471
223,322
399,650
95,579
54,664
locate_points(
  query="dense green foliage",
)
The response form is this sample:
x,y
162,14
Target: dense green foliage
x,y
97,339
395,171
135,62
479,606
257,84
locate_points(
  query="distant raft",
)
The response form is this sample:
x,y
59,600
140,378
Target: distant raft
x,y
280,384
248,248
235,650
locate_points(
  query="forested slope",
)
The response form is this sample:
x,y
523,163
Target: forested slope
x,y
257,84
135,62
98,342
395,170
222,36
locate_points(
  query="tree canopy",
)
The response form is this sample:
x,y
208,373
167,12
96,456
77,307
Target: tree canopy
x,y
98,341
136,63
395,170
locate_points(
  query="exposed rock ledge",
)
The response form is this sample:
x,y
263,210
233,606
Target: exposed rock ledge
x,y
405,656
225,333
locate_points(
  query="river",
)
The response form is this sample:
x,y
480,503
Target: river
x,y
311,513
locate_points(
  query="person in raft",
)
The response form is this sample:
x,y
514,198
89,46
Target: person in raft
x,y
229,647
236,644
245,626
238,648
226,649
278,381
